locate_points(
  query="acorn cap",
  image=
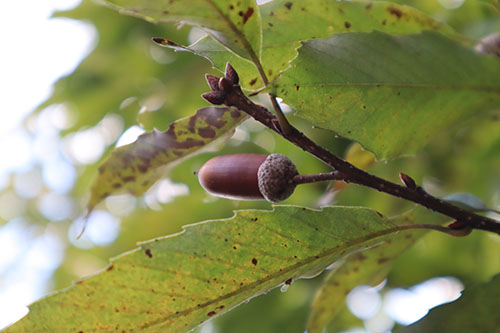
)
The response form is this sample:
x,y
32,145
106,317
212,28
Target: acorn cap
x,y
275,177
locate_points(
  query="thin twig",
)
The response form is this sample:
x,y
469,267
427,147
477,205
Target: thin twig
x,y
317,177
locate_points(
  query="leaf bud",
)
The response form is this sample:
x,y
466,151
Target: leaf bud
x,y
231,74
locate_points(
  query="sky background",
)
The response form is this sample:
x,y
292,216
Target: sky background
x,y
39,51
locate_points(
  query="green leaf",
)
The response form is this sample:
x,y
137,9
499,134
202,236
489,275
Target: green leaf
x,y
367,267
286,23
177,282
235,24
135,167
475,311
392,94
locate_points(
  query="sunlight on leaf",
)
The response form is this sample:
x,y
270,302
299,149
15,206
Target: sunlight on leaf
x,y
235,24
392,94
177,282
286,23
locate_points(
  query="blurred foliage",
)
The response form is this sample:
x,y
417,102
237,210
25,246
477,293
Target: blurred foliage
x,y
127,72
480,299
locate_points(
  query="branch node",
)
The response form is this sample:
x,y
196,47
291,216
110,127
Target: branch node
x,y
225,85
408,181
459,228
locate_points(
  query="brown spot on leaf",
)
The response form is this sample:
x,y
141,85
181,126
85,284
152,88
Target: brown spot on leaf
x,y
211,313
369,5
246,15
347,25
383,260
253,81
206,132
384,22
168,139
361,256
148,253
128,179
116,185
288,5
254,261
379,214
395,11
192,122
270,72
231,7
221,307
297,88
213,116
289,281
110,267
189,143
270,24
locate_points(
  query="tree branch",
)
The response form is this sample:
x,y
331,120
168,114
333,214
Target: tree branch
x,y
231,95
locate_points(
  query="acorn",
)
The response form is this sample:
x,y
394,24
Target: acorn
x,y
249,177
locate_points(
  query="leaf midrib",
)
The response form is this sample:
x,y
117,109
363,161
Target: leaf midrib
x,y
246,44
277,275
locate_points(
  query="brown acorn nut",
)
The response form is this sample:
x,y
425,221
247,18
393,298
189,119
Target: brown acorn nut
x,y
249,177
